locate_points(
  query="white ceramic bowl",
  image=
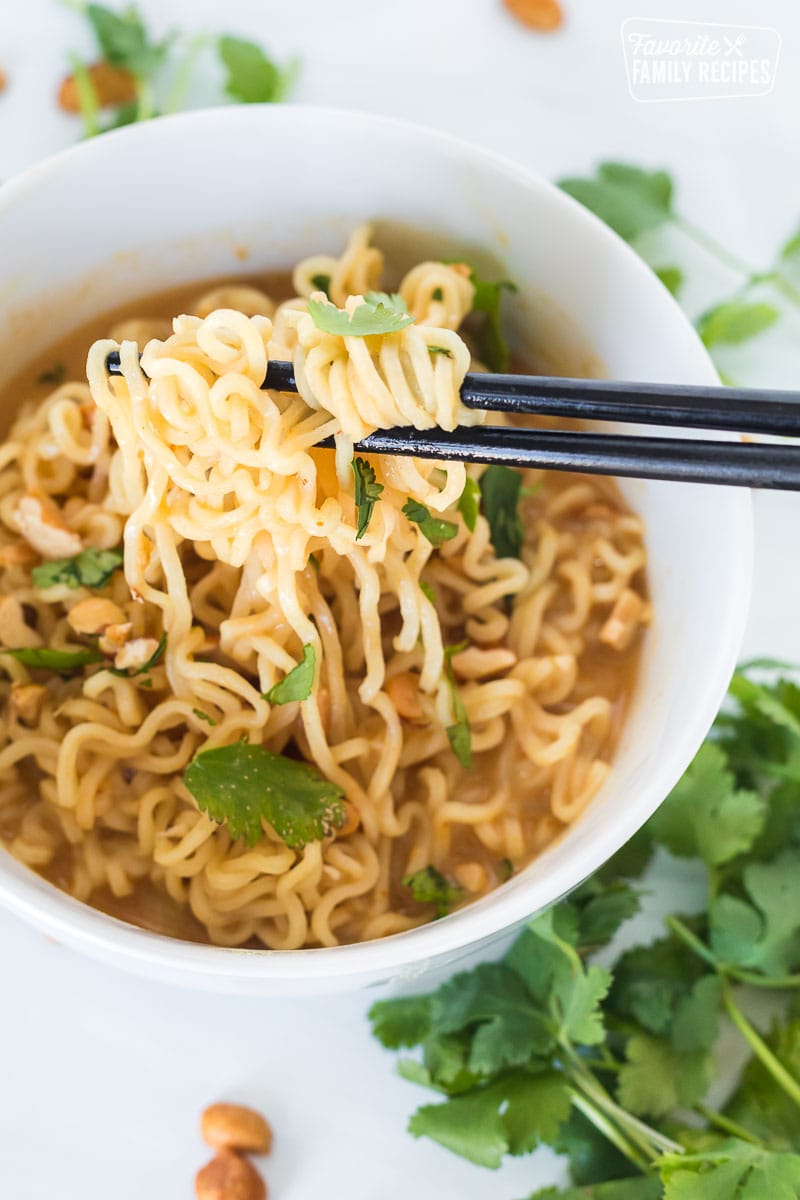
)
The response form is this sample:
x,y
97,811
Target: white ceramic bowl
x,y
184,198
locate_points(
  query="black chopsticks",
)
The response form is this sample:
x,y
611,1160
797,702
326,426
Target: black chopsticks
x,y
688,460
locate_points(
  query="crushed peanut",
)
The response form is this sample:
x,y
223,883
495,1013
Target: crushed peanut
x,y
403,691
135,653
26,700
629,612
15,633
114,637
112,86
229,1177
471,876
94,615
542,15
42,525
235,1127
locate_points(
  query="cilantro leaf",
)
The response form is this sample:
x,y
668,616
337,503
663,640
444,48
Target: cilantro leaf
x,y
470,502
243,785
671,277
731,1170
643,1187
299,681
435,529
490,343
429,886
600,909
378,313
652,982
705,816
427,590
512,1115
459,734
62,661
491,1000
124,41
629,199
500,496
656,1077
253,78
91,568
367,492
759,1103
592,1158
404,1021
735,321
321,283
766,934
791,247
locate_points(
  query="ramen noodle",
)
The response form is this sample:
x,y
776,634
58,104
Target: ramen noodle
x,y
262,692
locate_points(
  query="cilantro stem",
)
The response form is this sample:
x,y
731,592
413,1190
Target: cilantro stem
x,y
180,84
777,982
608,1130
87,96
759,1047
676,925
719,1121
145,104
713,247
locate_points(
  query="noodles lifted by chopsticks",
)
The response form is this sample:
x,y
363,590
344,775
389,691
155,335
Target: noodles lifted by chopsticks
x,y
450,695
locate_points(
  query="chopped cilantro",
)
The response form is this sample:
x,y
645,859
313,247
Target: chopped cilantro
x,y
367,492
500,496
469,503
61,661
321,283
435,529
203,716
298,683
629,199
243,785
735,321
91,568
377,313
253,78
439,350
427,591
429,886
459,734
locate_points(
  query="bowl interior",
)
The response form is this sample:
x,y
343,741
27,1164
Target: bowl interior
x,y
196,196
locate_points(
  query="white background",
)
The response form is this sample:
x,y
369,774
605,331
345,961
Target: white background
x,y
102,1075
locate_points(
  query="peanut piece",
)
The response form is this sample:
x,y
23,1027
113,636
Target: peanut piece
x,y
234,1127
42,525
352,820
135,653
94,615
471,876
114,637
26,700
541,15
15,633
229,1177
627,615
112,85
403,691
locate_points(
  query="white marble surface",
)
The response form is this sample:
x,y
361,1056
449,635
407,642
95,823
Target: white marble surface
x,y
103,1074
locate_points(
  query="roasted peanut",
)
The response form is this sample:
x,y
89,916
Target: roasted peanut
x,y
26,700
235,1127
112,86
135,653
114,637
403,691
471,876
42,525
629,612
352,820
229,1177
94,615
541,15
14,630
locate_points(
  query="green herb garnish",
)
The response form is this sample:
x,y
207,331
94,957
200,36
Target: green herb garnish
x,y
500,496
91,568
155,657
469,503
435,529
321,283
459,734
439,350
629,199
430,886
253,78
378,313
735,321
203,716
547,1047
61,661
671,277
428,591
367,492
298,683
243,785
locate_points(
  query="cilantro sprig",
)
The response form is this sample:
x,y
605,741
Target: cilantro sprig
x,y
243,785
635,202
459,734
378,313
500,489
367,492
546,1046
435,529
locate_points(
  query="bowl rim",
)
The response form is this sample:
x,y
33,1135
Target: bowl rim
x,y
107,937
